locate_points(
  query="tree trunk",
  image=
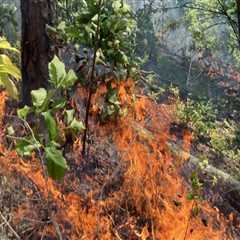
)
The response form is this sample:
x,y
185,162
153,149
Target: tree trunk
x,y
36,49
238,21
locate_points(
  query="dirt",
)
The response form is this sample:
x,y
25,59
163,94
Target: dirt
x,y
127,188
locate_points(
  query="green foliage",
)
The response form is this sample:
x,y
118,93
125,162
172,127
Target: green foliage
x,y
201,117
70,115
199,27
58,75
76,126
8,70
224,139
112,106
145,35
56,163
26,146
116,40
39,97
104,33
196,187
198,115
67,8
44,135
23,112
196,184
51,125
211,22
8,23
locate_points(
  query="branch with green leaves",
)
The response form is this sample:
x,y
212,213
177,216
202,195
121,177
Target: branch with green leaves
x,y
43,135
9,72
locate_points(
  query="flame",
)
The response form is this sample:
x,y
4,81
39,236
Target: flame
x,y
150,201
151,184
2,105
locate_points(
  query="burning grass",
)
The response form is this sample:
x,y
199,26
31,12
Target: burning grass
x,y
129,188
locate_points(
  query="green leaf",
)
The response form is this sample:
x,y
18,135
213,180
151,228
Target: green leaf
x,y
10,130
70,79
6,66
7,69
9,85
190,196
126,8
112,96
55,144
58,76
56,163
51,125
59,104
61,26
77,125
110,110
100,57
39,97
4,44
70,115
116,5
57,72
23,112
84,3
25,147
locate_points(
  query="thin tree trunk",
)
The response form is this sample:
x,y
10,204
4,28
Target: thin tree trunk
x,y
36,49
238,21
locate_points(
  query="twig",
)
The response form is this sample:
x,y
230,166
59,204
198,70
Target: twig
x,y
96,42
55,224
10,227
117,235
189,71
114,231
26,124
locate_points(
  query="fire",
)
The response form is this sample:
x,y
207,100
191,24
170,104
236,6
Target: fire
x,y
149,199
153,186
2,104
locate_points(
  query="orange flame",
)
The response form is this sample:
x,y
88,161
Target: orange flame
x,y
150,202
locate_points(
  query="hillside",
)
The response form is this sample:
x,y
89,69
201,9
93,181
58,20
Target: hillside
x,y
129,187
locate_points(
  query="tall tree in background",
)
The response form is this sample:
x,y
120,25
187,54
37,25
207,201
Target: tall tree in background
x,y
215,25
238,21
36,49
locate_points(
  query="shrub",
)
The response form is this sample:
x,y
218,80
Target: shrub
x,y
43,134
224,139
199,115
115,28
8,21
8,70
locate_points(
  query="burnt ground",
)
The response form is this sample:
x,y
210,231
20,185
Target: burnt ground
x,y
103,184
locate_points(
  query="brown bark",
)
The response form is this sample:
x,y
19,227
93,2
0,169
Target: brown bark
x,y
36,49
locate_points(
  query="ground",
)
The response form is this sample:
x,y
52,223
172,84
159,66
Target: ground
x,y
129,186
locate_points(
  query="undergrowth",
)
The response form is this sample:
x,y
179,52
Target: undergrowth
x,y
148,200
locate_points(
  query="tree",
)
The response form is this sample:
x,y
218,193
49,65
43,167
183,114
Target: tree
x,y
238,21
106,29
8,23
211,22
36,49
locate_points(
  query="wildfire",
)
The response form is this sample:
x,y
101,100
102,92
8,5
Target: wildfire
x,y
148,200
151,182
2,104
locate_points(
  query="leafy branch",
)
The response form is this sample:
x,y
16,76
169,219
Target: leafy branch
x,y
44,134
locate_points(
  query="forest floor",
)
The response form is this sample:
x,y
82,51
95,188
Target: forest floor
x,y
128,187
